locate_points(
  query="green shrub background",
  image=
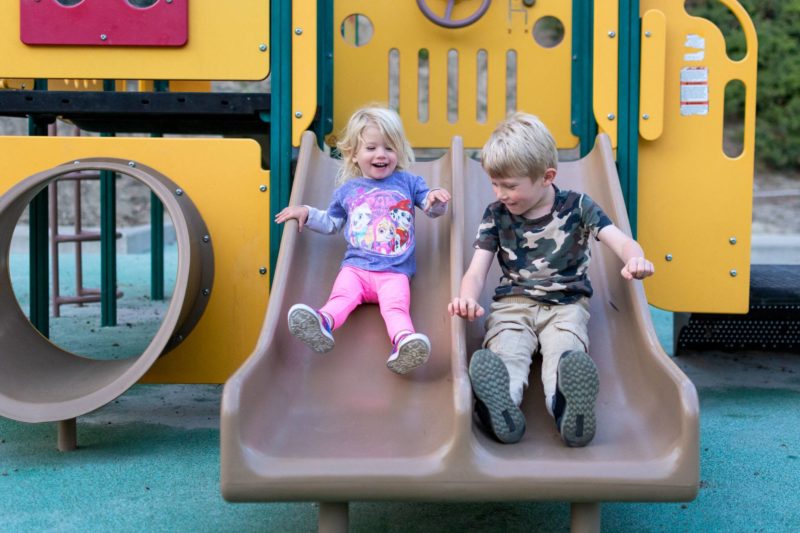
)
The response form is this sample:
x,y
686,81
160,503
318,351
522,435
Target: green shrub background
x,y
777,24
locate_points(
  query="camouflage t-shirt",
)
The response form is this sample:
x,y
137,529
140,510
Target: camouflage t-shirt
x,y
546,259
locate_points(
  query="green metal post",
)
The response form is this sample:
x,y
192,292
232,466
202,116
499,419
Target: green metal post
x,y
628,105
583,123
324,69
108,240
39,260
157,228
281,120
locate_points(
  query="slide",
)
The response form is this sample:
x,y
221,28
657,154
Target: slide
x,y
338,427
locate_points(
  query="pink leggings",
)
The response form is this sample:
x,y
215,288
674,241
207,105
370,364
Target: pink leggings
x,y
354,286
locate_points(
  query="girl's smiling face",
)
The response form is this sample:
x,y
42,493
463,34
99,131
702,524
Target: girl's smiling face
x,y
376,159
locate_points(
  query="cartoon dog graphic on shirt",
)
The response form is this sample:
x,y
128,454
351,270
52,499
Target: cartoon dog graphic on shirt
x,y
360,217
402,216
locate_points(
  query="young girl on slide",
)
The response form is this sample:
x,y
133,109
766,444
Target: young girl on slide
x,y
374,208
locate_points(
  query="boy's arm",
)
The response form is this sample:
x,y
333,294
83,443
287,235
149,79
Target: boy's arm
x,y
466,305
629,251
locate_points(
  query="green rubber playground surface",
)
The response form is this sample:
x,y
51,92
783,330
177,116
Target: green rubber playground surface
x,y
149,461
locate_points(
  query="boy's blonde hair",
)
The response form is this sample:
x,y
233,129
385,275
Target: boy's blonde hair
x,y
390,126
521,145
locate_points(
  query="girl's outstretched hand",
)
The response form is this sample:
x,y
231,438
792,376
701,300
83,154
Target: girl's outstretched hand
x,y
438,196
465,308
297,212
637,268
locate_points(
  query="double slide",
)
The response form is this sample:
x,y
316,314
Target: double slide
x,y
340,427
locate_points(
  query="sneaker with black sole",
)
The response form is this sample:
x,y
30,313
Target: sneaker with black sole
x,y
410,352
577,386
310,327
493,405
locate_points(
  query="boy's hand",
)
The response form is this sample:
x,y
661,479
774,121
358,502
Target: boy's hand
x,y
637,268
298,212
437,196
467,308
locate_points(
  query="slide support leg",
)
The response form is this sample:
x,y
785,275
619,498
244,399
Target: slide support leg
x,y
585,517
333,517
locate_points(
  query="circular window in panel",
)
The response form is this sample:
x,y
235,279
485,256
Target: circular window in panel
x,y
548,32
91,357
69,3
357,30
75,274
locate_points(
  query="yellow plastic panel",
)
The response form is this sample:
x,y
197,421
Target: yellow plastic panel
x,y
651,103
695,202
304,66
222,177
606,67
543,74
225,41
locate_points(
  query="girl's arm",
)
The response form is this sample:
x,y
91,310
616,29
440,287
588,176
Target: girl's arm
x,y
436,202
316,219
629,251
466,305
297,212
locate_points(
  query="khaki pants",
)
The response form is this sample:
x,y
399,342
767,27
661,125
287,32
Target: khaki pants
x,y
517,326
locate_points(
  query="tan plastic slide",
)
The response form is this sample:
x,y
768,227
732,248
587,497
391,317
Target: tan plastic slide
x,y
340,427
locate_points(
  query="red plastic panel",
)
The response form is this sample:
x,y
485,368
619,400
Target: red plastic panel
x,y
104,22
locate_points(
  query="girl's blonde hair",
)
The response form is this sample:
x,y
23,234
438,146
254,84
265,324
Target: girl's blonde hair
x,y
390,126
520,146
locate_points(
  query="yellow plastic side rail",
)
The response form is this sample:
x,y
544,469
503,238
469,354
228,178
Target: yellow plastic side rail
x,y
227,41
236,212
695,202
304,66
651,103
606,67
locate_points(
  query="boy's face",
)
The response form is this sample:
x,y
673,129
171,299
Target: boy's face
x,y
523,196
376,159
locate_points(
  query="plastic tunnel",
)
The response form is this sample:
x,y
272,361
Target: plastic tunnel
x,y
40,382
340,427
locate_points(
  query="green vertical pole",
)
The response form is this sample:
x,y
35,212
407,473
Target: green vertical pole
x,y
628,105
157,229
324,69
39,265
108,240
281,121
582,113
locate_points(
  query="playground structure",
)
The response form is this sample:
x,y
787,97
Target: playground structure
x,y
317,78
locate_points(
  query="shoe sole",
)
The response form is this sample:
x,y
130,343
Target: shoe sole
x,y
490,383
413,354
578,382
305,325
